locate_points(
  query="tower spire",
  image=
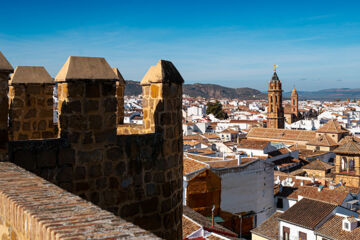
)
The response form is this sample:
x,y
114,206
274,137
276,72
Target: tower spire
x,y
275,112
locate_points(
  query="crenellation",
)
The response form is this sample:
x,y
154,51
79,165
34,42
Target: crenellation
x,y
133,171
31,104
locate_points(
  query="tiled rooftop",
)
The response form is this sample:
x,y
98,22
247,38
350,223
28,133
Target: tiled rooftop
x,y
332,229
281,134
191,165
270,228
334,196
307,213
253,144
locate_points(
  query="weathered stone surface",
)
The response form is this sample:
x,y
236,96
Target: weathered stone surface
x,y
88,157
66,156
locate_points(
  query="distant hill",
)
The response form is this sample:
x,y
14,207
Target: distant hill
x,y
217,91
328,94
204,90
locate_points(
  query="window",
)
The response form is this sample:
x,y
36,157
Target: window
x,y
286,233
279,203
344,164
351,165
346,225
302,236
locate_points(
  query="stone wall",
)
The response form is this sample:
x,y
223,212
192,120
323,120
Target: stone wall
x,y
5,70
31,111
32,208
133,171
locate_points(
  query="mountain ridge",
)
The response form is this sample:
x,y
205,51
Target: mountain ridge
x,y
217,91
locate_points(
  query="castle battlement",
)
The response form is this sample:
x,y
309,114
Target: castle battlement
x,y
135,172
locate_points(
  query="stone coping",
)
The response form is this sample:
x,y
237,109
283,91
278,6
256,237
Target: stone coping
x,y
37,209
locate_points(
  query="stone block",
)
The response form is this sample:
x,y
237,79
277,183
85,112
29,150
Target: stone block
x,y
74,89
42,125
25,159
66,156
33,89
82,186
94,171
46,113
46,159
107,168
130,210
151,222
91,106
113,183
149,205
92,90
110,104
110,197
65,174
47,134
25,126
17,103
80,173
31,113
108,88
88,157
95,122
114,153
101,183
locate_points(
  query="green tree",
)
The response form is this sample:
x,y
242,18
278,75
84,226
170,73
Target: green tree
x,y
216,109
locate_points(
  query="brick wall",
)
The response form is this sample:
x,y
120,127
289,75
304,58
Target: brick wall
x,y
32,208
133,171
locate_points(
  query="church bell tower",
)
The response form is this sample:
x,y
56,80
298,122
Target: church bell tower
x,y
275,111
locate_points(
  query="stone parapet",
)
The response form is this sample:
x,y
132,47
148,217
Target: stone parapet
x,y
5,70
132,171
32,208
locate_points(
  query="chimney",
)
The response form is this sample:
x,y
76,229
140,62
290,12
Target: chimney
x,y
212,216
349,223
239,159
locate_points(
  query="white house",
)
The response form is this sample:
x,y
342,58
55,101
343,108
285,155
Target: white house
x,y
248,187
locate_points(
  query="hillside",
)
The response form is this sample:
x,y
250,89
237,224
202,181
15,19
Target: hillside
x,y
329,94
204,90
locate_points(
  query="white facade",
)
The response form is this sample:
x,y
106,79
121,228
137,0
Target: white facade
x,y
248,188
294,231
196,111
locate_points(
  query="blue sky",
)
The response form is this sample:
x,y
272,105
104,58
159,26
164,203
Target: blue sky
x,y
233,43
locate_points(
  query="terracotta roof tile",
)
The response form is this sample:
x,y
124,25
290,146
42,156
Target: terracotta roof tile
x,y
252,144
205,222
191,165
333,196
324,140
281,134
318,165
333,229
332,126
307,213
188,226
270,228
350,147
